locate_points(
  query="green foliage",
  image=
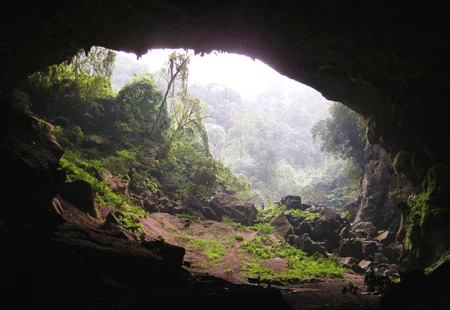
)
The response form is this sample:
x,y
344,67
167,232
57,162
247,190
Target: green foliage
x,y
236,184
254,270
334,184
346,214
260,247
59,91
78,168
269,212
424,214
142,181
343,134
204,177
239,237
129,222
397,193
300,266
119,165
212,248
306,267
303,214
263,228
99,61
135,112
442,259
135,210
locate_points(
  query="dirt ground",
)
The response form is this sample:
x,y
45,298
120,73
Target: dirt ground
x,y
315,294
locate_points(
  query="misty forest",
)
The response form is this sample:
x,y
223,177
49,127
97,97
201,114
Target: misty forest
x,y
110,112
151,141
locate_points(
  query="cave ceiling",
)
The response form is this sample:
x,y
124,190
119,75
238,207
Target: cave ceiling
x,y
385,60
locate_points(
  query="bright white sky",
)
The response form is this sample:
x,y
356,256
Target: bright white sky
x,y
241,73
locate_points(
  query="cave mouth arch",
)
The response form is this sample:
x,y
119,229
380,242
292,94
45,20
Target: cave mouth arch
x,y
368,57
386,62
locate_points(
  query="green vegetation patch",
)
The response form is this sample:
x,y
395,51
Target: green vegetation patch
x,y
308,267
270,212
424,213
255,270
263,228
212,248
444,257
129,222
261,247
301,267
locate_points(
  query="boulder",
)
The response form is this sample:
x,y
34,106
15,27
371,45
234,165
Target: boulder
x,y
305,244
292,202
81,194
351,248
282,225
226,205
367,228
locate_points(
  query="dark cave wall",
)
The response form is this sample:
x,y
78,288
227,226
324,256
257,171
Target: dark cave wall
x,y
384,60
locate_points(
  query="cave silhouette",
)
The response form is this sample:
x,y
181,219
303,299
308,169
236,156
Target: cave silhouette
x,y
387,61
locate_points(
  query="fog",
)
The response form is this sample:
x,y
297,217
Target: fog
x,y
241,73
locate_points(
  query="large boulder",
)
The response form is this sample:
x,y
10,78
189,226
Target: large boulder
x,y
292,202
370,248
226,205
366,229
393,252
81,194
351,248
305,244
323,228
282,225
30,157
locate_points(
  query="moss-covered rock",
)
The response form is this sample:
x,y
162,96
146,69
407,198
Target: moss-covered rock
x,y
428,233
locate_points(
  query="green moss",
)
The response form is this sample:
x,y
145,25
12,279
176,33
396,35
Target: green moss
x,y
397,193
425,215
444,257
402,162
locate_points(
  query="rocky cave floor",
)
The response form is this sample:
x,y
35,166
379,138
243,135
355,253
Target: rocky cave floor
x,y
327,294
199,287
204,287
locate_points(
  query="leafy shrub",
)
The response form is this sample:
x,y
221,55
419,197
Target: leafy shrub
x,y
129,222
239,237
263,228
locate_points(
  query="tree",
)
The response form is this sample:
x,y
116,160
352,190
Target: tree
x,y
137,112
177,65
99,61
59,92
343,134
